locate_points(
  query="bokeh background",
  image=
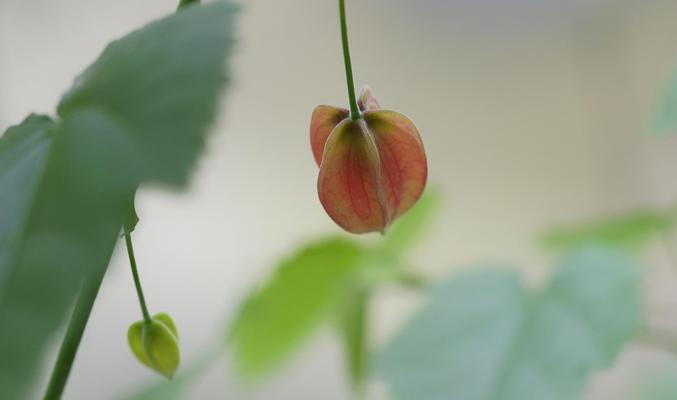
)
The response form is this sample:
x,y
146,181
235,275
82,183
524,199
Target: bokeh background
x,y
533,113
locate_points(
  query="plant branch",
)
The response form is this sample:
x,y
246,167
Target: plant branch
x,y
354,110
71,341
135,274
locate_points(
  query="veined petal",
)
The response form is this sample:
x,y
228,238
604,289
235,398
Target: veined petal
x,y
323,121
404,168
349,180
366,101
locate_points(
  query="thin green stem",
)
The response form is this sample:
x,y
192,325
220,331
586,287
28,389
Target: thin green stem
x,y
135,274
354,110
71,341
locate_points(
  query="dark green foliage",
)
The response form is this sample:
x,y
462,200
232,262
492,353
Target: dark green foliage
x,y
138,114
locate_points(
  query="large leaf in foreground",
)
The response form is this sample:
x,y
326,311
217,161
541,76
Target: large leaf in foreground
x,y
279,315
71,229
23,154
482,336
168,72
161,84
631,231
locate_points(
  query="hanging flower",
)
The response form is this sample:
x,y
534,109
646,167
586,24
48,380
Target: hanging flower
x,y
372,168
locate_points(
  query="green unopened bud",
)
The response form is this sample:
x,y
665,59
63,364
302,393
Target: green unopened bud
x,y
156,344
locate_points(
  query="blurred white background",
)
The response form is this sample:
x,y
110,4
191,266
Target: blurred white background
x,y
533,113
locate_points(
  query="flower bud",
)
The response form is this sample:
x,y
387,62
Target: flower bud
x,y
155,344
372,169
367,101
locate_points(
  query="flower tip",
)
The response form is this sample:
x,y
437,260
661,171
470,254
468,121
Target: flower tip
x,y
367,101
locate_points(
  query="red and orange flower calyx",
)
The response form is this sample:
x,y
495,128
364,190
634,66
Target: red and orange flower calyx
x,y
373,167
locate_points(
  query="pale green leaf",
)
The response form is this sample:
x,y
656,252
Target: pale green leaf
x,y
631,231
657,384
23,154
302,292
483,336
411,226
353,318
665,118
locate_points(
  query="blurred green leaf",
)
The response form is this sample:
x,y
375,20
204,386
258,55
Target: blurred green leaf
x,y
665,119
332,276
278,316
410,227
658,384
138,114
630,232
71,229
481,335
160,85
23,154
353,322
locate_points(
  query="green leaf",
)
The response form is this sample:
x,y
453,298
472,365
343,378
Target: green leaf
x,y
160,85
658,384
138,114
23,154
302,292
665,119
632,231
71,228
408,228
352,320
132,218
482,335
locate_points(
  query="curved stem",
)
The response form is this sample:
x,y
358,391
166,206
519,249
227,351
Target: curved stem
x,y
354,110
135,274
74,332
